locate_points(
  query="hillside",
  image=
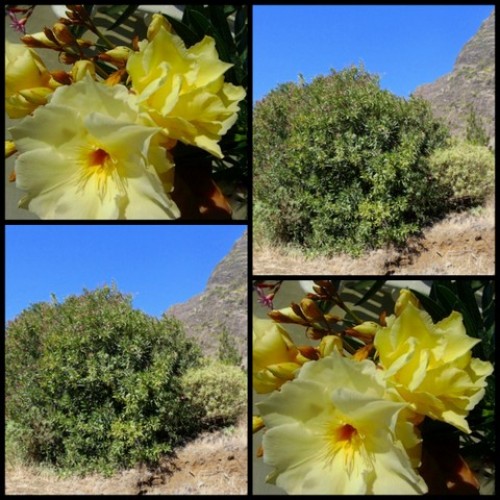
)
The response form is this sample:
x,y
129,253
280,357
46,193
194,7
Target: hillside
x,y
471,82
461,244
223,302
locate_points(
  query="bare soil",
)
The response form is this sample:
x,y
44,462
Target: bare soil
x,y
462,243
213,464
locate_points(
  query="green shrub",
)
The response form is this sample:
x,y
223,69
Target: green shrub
x,y
475,132
95,384
466,170
218,391
227,352
340,164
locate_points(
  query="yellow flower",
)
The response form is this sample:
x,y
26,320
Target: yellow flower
x,y
431,365
183,89
10,148
26,80
84,155
333,431
275,358
257,423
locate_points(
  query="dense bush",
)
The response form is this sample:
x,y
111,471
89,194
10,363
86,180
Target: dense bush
x,y
466,170
340,164
218,391
92,384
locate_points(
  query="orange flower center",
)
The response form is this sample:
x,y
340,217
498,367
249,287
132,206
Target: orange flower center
x,y
98,157
345,432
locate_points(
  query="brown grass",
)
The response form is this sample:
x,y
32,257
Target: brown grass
x,y
462,243
215,463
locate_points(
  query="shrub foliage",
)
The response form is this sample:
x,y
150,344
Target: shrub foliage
x,y
95,385
340,164
218,391
466,170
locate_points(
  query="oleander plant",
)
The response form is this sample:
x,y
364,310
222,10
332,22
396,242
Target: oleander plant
x,y
143,130
384,405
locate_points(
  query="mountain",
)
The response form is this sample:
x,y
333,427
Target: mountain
x,y
471,82
223,303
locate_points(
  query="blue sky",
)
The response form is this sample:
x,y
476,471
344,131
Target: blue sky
x,y
158,265
406,45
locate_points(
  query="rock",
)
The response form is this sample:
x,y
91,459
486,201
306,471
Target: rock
x,y
222,303
471,82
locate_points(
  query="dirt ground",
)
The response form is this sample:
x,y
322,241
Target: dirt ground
x,y
215,463
462,243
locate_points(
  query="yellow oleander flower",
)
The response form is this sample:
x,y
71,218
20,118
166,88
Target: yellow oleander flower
x,y
85,155
26,80
431,365
275,358
183,89
333,431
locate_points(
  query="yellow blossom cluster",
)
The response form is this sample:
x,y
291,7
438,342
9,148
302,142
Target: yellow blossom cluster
x,y
90,148
336,423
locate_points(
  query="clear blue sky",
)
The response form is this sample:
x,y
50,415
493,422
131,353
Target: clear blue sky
x,y
406,45
158,265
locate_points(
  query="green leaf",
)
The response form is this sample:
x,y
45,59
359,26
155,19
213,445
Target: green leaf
x,y
470,310
127,12
221,23
205,26
436,311
488,304
188,35
374,288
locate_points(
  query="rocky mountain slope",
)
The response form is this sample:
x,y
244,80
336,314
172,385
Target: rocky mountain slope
x,y
471,82
222,303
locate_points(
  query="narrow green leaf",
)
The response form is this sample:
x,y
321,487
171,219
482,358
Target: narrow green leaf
x,y
129,10
205,26
435,309
188,35
466,295
221,24
488,304
374,288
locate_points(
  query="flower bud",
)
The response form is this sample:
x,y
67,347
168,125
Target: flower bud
x,y
59,78
84,43
115,77
363,352
50,35
328,344
367,328
37,95
332,318
81,68
118,55
63,34
306,353
298,311
311,310
286,315
66,58
284,371
38,40
315,333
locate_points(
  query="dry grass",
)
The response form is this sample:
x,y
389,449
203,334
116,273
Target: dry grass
x,y
462,243
215,463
